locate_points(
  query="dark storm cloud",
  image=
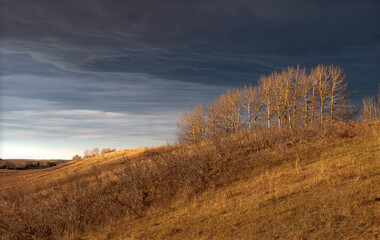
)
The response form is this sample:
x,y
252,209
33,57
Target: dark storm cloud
x,y
211,42
65,63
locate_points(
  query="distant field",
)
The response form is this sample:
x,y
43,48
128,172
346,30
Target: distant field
x,y
12,178
26,164
10,172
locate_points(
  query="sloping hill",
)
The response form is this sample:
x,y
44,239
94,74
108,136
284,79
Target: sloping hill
x,y
334,194
307,183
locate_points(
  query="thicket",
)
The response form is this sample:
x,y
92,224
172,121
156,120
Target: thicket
x,y
371,108
29,164
284,99
93,153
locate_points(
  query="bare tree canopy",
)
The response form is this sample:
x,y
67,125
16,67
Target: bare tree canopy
x,y
288,98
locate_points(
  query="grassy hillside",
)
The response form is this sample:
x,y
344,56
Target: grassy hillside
x,y
306,183
333,194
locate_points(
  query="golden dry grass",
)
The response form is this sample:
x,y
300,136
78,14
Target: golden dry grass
x,y
311,183
17,179
333,195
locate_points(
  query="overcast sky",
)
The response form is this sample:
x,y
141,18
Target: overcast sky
x,y
106,73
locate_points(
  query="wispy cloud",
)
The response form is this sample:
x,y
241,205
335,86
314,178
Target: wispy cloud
x,y
87,124
125,69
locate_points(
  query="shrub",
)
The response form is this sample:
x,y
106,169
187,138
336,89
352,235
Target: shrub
x,y
107,150
77,157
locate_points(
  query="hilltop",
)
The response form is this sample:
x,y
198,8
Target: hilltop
x,y
305,183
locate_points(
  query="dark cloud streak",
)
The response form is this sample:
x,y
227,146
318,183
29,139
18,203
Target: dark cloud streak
x,y
158,57
144,36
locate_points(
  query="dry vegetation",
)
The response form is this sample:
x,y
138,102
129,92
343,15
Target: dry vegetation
x,y
309,182
285,99
44,177
280,160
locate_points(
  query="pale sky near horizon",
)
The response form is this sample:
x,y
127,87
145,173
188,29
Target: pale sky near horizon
x,y
75,75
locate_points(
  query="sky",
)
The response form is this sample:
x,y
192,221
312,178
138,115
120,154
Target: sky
x,y
75,75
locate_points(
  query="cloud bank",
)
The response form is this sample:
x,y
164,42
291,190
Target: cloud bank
x,y
124,70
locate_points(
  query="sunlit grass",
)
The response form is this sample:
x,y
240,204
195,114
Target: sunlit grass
x,y
60,173
308,184
332,196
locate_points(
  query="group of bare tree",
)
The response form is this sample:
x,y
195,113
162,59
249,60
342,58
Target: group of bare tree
x,y
93,153
292,97
371,108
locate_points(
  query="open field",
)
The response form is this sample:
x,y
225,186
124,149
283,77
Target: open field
x,y
26,164
18,178
13,172
309,183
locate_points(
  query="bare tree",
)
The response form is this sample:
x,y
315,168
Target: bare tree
x,y
321,80
266,85
370,110
230,110
253,104
199,122
94,152
107,150
192,125
184,127
313,95
77,157
291,93
303,89
339,94
212,119
86,154
279,95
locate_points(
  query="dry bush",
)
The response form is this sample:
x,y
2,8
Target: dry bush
x,y
90,153
77,157
107,150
